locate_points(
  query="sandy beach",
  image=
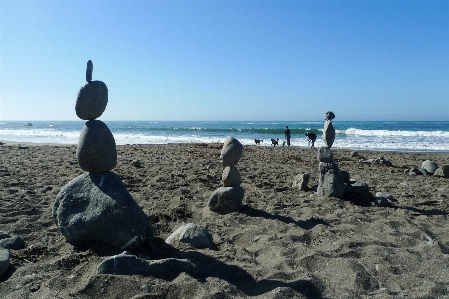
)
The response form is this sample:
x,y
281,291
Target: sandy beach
x,y
283,243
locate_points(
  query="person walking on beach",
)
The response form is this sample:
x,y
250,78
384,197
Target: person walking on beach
x,y
287,135
312,138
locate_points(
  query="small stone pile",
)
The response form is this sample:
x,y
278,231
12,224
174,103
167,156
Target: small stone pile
x,y
229,198
331,182
96,206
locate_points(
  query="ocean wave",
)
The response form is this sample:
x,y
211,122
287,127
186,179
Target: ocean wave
x,y
390,133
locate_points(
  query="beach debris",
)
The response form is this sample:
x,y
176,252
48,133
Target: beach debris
x,y
96,206
381,201
381,160
85,211
229,198
4,260
137,163
193,234
301,181
385,195
442,171
429,166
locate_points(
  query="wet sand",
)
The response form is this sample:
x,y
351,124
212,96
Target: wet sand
x,y
283,243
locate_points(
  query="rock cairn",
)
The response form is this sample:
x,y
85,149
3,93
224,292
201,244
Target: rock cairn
x,y
229,198
331,182
96,206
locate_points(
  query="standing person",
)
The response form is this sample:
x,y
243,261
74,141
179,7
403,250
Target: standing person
x,y
287,135
312,138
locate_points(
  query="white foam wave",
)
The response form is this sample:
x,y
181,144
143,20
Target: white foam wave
x,y
389,133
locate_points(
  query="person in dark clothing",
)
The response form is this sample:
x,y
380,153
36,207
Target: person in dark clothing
x,y
287,135
312,138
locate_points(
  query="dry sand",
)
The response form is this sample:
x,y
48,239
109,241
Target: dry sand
x,y
284,243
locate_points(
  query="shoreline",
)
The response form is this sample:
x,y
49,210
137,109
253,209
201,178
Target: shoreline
x,y
14,143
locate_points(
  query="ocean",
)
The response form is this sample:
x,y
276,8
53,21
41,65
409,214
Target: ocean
x,y
406,136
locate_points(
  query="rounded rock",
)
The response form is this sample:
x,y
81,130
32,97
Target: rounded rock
x,y
231,152
226,200
96,149
429,166
231,176
92,100
325,155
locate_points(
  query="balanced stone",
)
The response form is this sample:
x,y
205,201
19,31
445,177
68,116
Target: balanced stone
x,y
331,182
325,154
329,131
231,176
231,152
96,149
98,207
226,200
92,100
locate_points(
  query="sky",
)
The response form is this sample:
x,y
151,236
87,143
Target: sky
x,y
227,60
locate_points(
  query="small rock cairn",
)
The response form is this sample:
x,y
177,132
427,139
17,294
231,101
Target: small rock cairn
x,y
331,182
96,206
228,199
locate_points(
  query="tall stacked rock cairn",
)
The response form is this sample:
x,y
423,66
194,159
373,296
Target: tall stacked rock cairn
x,y
228,199
331,182
96,206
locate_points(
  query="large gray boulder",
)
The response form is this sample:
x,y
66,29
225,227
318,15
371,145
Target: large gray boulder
x,y
97,207
331,182
226,200
92,100
4,260
96,149
443,171
231,152
193,234
429,166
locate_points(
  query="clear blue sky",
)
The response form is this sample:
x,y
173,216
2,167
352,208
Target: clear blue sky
x,y
227,60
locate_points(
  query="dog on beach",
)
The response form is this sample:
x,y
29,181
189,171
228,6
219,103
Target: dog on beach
x,y
257,141
275,142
